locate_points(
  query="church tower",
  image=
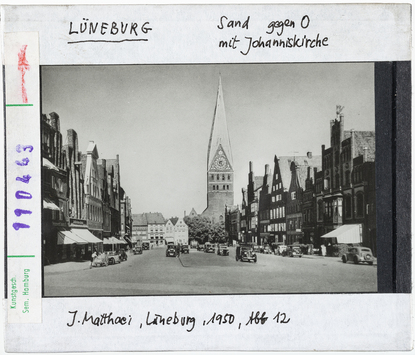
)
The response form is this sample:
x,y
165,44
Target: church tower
x,y
220,176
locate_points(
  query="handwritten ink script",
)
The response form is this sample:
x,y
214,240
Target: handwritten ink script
x,y
187,322
274,35
87,31
22,194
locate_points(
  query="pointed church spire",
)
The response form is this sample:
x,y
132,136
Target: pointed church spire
x,y
219,133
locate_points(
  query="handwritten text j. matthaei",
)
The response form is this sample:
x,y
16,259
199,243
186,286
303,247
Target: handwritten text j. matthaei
x,y
175,319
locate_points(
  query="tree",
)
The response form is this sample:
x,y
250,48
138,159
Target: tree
x,y
199,228
217,233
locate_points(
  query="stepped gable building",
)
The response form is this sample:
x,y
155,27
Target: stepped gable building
x,y
300,169
176,231
281,179
220,174
264,208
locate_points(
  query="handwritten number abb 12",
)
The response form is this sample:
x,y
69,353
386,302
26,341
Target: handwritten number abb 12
x,y
20,194
281,318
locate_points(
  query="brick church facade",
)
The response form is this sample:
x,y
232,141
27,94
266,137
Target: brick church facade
x,y
220,174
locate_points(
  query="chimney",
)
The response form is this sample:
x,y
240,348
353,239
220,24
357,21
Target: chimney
x,y
315,173
266,169
308,172
365,149
250,167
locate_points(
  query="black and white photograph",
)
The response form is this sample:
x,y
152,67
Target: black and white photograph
x,y
208,179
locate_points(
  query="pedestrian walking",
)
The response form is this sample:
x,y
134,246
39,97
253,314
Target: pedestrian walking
x,y
93,256
323,250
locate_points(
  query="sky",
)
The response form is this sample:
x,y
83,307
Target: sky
x,y
158,119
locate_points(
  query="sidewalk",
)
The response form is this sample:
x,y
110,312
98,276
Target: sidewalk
x,y
68,266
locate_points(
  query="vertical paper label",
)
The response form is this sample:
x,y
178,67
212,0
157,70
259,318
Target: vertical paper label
x,y
23,177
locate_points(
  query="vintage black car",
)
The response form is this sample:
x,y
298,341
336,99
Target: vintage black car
x,y
359,255
223,250
200,247
184,249
137,250
172,250
293,250
123,255
209,248
245,253
145,245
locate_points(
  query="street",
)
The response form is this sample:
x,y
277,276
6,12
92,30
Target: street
x,y
199,273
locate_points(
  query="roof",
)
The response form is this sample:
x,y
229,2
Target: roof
x,y
219,131
155,218
302,163
139,219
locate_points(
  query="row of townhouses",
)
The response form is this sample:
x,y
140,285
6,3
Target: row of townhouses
x,y
84,204
324,199
154,228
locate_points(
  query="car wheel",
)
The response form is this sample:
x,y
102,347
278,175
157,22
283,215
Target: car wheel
x,y
344,259
370,262
300,256
356,260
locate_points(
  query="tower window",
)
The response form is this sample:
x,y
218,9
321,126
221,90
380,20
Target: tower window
x,y
229,177
223,177
217,177
214,187
213,177
224,187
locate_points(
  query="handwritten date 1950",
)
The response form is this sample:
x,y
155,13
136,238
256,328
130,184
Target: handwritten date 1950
x,y
220,319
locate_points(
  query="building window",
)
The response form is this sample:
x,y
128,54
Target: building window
x,y
214,187
347,177
217,177
229,177
223,177
359,205
320,209
337,179
212,177
293,195
223,187
348,206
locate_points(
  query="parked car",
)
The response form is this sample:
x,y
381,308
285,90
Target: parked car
x,y
209,248
223,250
185,249
100,260
256,248
245,253
201,247
113,258
293,250
137,250
123,255
267,249
280,249
172,250
358,255
145,245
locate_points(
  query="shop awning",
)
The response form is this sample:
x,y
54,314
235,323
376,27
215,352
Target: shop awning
x,y
86,235
67,237
112,240
47,164
346,234
49,205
